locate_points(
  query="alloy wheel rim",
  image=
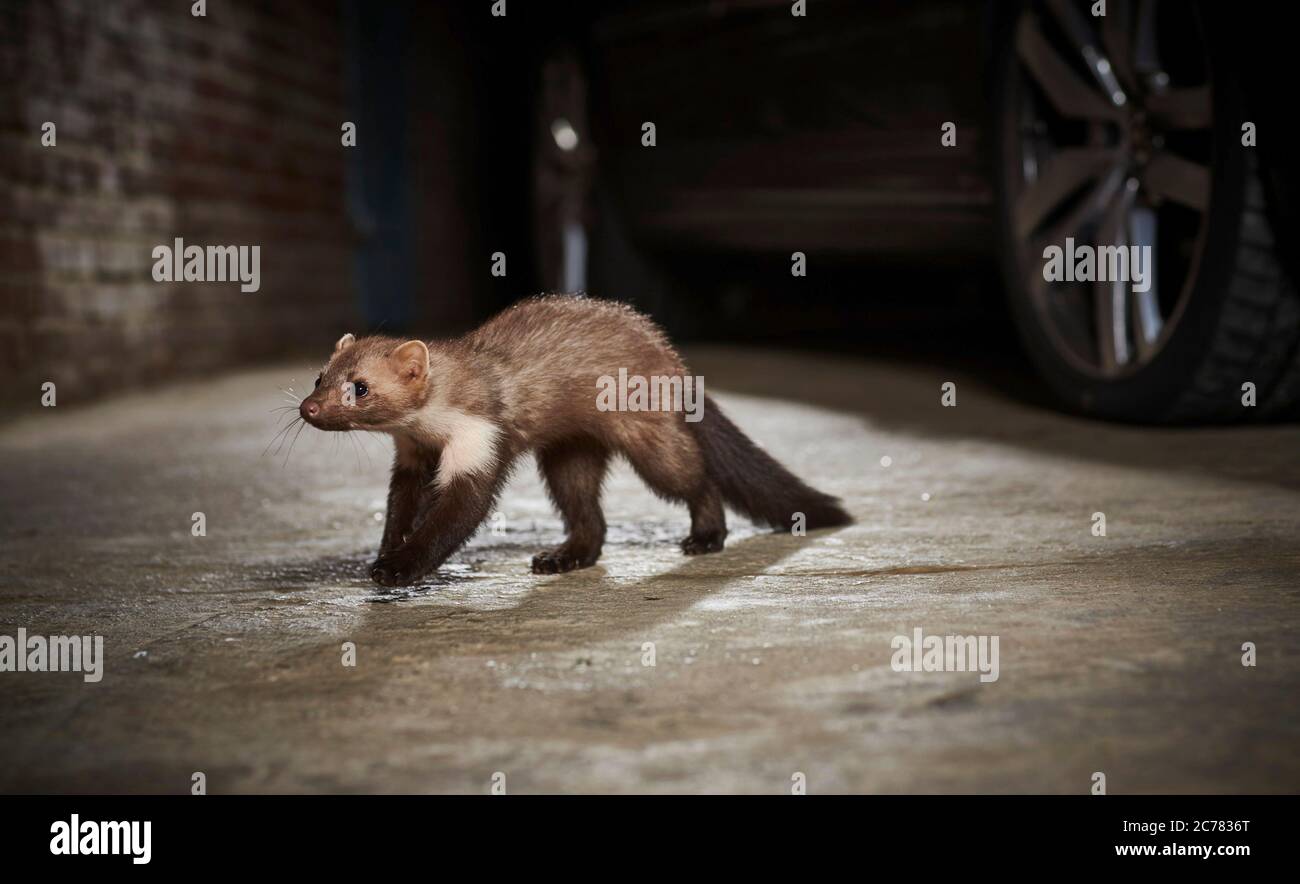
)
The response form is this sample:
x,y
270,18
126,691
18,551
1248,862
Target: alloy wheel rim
x,y
1113,148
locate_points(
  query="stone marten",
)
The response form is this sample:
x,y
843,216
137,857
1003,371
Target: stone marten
x,y
534,378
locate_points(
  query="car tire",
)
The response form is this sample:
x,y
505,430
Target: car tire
x,y
1233,316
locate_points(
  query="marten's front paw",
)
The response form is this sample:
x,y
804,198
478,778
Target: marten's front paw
x,y
560,559
396,568
707,543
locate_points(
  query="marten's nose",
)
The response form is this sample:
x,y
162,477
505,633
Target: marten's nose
x,y
309,409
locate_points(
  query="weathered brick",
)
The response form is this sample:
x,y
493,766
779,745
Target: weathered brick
x,y
222,130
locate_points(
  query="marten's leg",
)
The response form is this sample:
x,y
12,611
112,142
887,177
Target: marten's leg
x,y
574,471
667,458
708,521
462,503
410,493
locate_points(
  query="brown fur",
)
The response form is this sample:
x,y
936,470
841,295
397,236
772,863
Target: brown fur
x,y
462,411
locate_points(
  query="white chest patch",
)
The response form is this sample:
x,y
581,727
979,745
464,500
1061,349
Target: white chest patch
x,y
468,442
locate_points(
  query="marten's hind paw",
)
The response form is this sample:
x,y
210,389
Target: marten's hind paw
x,y
561,559
699,545
396,569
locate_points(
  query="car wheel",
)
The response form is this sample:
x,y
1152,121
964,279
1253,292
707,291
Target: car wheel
x,y
1126,130
564,160
581,236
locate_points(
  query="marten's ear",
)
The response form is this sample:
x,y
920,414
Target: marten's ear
x,y
411,361
345,341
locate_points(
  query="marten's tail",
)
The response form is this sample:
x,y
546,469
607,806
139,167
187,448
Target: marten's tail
x,y
753,483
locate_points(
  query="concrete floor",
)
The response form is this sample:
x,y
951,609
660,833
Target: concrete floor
x,y
1118,654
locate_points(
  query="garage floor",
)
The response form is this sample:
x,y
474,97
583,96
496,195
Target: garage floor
x,y
1120,654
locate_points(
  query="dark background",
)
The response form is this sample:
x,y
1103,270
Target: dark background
x,y
225,129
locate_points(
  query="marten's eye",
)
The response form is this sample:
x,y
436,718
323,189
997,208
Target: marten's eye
x,y
361,388
318,377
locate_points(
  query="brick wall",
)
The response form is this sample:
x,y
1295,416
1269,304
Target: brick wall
x,y
223,130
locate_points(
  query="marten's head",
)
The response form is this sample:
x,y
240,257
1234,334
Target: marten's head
x,y
368,384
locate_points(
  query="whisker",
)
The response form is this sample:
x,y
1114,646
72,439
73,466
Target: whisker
x,y
286,428
369,440
292,423
279,446
357,451
293,443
